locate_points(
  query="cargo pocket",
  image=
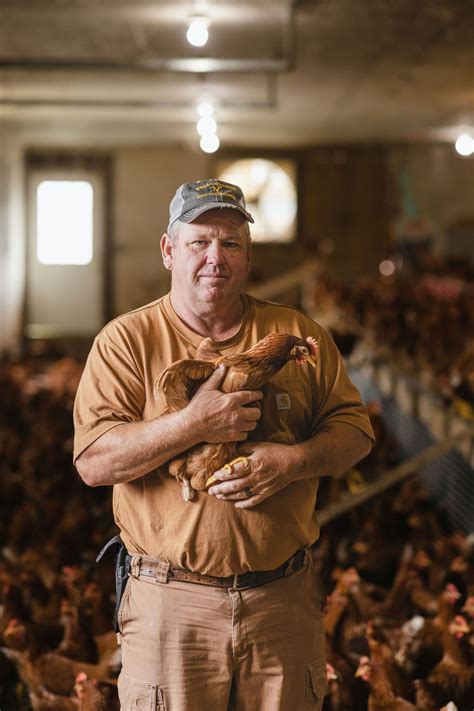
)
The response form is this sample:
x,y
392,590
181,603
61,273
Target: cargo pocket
x,y
316,685
136,694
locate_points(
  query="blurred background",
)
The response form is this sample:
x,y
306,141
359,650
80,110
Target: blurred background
x,y
350,127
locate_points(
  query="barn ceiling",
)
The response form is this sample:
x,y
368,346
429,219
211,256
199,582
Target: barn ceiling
x,y
281,73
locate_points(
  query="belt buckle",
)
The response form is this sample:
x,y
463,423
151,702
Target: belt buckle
x,y
246,580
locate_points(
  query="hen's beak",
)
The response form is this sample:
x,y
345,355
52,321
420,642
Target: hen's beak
x,y
363,670
310,360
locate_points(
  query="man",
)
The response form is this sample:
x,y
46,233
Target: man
x,y
199,628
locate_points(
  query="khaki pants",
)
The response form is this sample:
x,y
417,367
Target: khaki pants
x,y
189,647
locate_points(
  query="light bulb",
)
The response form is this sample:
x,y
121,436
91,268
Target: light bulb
x,y
206,126
197,33
209,143
205,108
464,144
387,267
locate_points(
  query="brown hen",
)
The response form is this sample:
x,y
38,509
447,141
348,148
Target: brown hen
x,y
382,696
245,371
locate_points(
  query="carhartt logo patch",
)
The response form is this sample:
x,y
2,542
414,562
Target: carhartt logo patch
x,y
283,401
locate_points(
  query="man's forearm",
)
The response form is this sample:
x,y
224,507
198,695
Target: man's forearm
x,y
132,450
129,451
332,451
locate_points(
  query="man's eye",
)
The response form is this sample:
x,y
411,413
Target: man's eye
x,y
199,242
232,245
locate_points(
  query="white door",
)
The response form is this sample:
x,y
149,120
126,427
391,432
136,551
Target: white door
x,y
65,255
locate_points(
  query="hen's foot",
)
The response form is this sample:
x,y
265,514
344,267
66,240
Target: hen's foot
x,y
187,490
228,468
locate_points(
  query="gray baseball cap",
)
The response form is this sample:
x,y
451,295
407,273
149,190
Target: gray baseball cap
x,y
192,199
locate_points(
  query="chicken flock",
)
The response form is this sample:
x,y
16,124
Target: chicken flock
x,y
423,324
399,615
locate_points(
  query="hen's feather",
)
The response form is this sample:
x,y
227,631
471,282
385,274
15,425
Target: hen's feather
x,y
180,381
207,350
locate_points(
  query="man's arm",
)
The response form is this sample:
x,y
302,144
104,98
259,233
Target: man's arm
x,y
134,449
332,451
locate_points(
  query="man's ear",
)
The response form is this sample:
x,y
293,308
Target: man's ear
x,y
166,246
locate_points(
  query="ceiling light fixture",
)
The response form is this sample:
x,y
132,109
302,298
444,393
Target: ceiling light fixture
x,y
209,143
206,126
464,144
205,108
197,33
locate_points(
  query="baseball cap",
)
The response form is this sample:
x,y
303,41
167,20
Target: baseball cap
x,y
193,199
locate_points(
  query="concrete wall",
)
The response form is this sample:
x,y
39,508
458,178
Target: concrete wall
x,y
12,243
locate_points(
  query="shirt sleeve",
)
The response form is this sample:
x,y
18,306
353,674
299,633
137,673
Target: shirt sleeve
x,y
337,398
111,391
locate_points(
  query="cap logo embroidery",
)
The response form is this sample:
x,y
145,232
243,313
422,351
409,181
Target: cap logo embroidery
x,y
210,189
283,401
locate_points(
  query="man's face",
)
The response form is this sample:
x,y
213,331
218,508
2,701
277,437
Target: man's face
x,y
209,257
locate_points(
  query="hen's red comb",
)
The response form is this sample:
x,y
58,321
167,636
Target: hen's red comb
x,y
313,345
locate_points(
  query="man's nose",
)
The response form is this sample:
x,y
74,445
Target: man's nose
x,y
215,253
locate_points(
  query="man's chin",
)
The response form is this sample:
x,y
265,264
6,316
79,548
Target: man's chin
x,y
213,292
216,289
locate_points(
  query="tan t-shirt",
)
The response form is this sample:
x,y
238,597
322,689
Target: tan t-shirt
x,y
206,534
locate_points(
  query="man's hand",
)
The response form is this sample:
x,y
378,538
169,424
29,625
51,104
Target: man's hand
x,y
214,416
269,468
332,451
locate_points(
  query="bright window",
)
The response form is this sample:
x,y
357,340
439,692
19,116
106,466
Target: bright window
x,y
64,222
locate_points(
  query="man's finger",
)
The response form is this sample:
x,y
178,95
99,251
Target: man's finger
x,y
247,503
252,414
245,396
214,380
249,425
231,487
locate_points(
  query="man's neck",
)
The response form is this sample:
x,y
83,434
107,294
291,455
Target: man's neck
x,y
208,321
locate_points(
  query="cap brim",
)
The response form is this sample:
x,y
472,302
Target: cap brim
x,y
191,215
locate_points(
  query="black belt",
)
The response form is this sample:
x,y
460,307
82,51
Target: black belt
x,y
149,567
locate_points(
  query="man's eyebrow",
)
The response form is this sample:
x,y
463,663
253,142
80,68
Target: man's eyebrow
x,y
234,238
